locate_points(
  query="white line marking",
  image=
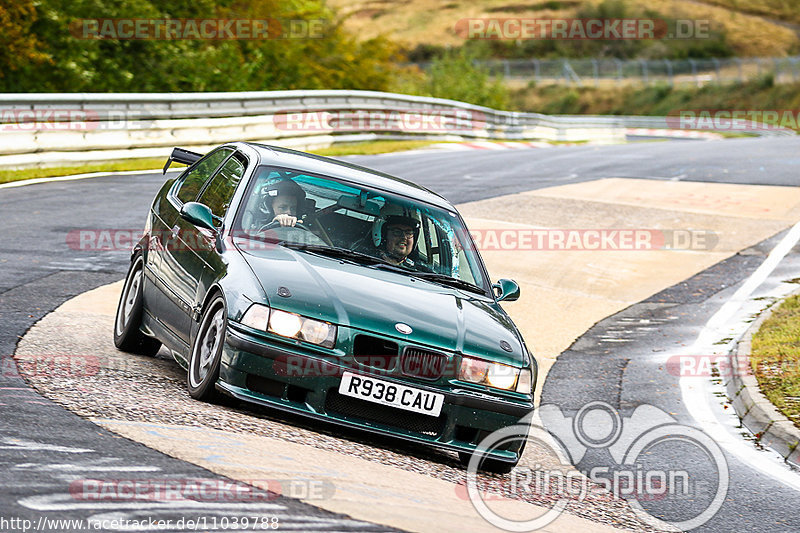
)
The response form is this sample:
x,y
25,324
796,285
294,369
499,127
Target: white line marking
x,y
84,468
68,502
692,391
20,444
34,181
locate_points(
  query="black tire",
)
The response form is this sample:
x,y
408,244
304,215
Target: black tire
x,y
127,335
204,358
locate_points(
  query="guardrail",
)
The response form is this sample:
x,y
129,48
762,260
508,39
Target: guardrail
x,y
55,129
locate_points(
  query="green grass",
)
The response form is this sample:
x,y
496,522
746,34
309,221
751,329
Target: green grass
x,y
367,148
775,358
658,100
786,10
371,148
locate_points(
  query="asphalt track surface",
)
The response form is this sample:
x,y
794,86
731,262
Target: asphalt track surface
x,y
39,271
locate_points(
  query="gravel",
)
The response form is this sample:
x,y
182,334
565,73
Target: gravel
x,y
70,358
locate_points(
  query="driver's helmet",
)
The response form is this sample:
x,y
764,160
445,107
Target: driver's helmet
x,y
281,188
394,214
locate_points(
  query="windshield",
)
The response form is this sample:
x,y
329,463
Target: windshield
x,y
323,215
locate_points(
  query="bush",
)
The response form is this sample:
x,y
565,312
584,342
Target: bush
x,y
455,75
64,63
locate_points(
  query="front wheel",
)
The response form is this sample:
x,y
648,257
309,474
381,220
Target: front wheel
x,y
127,335
207,351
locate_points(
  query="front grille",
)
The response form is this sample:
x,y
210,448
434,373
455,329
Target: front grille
x,y
336,403
424,364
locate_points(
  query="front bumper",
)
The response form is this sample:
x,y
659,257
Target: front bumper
x,y
255,371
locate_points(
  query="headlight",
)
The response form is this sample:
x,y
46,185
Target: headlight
x,y
290,325
473,370
525,382
285,324
316,331
256,317
495,375
502,376
302,328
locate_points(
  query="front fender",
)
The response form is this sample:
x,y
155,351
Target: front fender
x,y
236,281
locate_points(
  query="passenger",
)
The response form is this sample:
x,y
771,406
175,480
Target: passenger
x,y
395,234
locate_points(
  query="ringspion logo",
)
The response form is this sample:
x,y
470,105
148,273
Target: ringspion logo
x,y
672,476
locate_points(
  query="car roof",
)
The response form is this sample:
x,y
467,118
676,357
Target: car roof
x,y
335,168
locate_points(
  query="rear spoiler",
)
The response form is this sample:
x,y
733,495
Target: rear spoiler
x,y
181,156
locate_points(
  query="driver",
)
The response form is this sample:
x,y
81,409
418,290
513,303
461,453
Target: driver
x,y
284,198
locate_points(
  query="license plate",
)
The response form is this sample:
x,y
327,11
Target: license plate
x,y
391,394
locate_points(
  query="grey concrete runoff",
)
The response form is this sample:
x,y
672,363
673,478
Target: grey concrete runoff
x,y
771,427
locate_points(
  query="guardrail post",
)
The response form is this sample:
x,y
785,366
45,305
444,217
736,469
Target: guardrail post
x,y
694,72
619,70
669,72
645,78
506,68
717,69
596,72
569,73
741,73
537,72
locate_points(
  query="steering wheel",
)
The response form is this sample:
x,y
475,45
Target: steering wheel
x,y
276,224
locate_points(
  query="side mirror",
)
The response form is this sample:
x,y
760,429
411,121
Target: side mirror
x,y
506,290
198,214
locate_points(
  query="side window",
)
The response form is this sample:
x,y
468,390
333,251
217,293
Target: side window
x,y
194,180
217,195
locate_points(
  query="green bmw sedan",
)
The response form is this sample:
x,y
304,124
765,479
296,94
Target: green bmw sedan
x,y
311,285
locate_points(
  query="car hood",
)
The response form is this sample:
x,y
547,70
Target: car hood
x,y
376,300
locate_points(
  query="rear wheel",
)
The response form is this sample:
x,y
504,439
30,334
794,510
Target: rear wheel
x,y
207,351
127,335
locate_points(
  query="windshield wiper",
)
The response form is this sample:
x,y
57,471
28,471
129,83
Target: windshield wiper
x,y
447,280
329,251
375,262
